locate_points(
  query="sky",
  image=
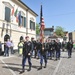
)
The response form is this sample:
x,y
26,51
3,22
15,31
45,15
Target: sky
x,y
55,12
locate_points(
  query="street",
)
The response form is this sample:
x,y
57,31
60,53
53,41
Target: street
x,y
12,66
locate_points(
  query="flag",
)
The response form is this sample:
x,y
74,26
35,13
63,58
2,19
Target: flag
x,y
19,19
42,26
12,13
16,14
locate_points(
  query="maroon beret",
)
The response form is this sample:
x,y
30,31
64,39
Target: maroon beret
x,y
27,37
32,38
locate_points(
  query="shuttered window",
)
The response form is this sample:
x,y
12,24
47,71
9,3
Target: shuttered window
x,y
7,14
32,25
24,21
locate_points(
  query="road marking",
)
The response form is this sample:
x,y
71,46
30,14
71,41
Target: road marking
x,y
56,69
2,57
8,67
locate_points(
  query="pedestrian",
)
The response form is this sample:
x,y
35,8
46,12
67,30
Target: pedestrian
x,y
20,47
26,54
8,45
11,48
0,48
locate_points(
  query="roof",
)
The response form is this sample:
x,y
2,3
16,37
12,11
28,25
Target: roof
x,y
54,36
48,29
27,7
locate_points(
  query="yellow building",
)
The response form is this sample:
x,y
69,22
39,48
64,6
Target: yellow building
x,y
16,19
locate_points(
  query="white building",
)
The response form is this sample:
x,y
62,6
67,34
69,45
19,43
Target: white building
x,y
9,25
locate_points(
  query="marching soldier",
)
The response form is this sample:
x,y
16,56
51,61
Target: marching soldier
x,y
69,48
43,53
38,47
26,54
34,52
53,47
50,49
57,47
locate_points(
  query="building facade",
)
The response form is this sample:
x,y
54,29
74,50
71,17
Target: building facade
x,y
72,36
48,32
16,20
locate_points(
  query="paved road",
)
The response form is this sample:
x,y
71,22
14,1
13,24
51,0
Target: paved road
x,y
12,66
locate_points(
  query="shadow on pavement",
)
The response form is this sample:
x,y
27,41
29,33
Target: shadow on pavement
x,y
17,68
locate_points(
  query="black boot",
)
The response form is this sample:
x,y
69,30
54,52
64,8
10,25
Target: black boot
x,y
29,68
45,65
40,67
22,71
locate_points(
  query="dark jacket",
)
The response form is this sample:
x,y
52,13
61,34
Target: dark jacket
x,y
69,45
57,46
38,45
26,48
46,47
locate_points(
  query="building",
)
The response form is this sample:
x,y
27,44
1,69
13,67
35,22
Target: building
x,y
48,32
16,20
72,36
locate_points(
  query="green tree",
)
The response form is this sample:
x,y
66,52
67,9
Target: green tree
x,y
59,31
37,29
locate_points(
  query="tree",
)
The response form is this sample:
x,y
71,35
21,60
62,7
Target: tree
x,y
37,29
59,31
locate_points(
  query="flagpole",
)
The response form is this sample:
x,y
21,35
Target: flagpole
x,y
42,26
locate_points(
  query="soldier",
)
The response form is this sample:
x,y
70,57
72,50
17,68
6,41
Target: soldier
x,y
57,48
53,47
43,55
33,47
50,49
69,48
63,46
26,54
38,47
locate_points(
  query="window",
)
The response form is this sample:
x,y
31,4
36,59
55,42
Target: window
x,y
32,25
22,21
7,14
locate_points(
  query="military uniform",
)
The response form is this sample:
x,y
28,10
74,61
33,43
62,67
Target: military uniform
x,y
57,47
50,50
38,47
43,55
53,47
69,48
26,54
34,52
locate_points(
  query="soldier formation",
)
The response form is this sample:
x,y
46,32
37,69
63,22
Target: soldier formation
x,y
48,50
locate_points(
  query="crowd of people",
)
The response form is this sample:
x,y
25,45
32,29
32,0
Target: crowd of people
x,y
8,47
49,49
43,51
